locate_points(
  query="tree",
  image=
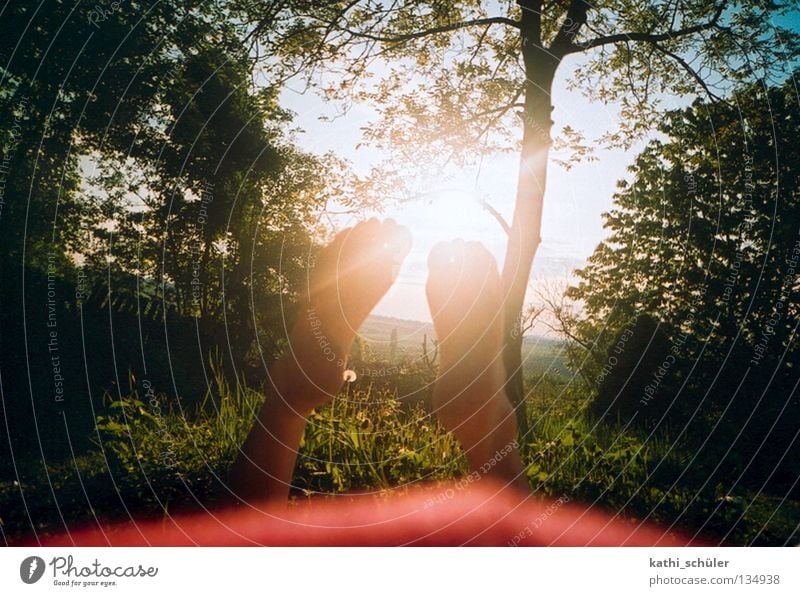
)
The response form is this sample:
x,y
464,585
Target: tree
x,y
703,242
704,234
457,79
72,87
150,198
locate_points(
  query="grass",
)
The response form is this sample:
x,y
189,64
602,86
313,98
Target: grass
x,y
366,439
634,473
151,460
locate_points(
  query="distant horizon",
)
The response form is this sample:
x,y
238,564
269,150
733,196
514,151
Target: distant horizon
x,y
551,337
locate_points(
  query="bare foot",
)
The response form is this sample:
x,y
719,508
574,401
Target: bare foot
x,y
465,297
351,275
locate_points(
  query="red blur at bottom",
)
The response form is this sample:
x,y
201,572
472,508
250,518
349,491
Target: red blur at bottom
x,y
445,515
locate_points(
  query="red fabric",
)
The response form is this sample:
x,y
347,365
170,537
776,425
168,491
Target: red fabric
x,y
483,515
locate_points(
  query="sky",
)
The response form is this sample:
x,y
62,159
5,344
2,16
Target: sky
x,y
574,200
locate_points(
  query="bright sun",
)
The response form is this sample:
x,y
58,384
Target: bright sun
x,y
450,214
441,216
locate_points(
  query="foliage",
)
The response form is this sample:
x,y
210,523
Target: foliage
x,y
158,204
454,80
146,433
703,240
367,440
200,215
654,475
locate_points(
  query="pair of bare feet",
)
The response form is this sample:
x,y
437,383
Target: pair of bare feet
x,y
351,275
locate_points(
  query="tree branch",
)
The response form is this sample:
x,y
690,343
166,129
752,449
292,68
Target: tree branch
x,y
504,108
648,37
530,317
689,69
531,22
265,21
496,214
561,328
433,30
514,103
570,26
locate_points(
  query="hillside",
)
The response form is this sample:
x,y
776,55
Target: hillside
x,y
539,353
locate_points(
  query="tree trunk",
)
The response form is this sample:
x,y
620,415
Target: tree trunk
x,y
524,236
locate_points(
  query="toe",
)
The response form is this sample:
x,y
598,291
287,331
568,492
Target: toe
x,y
438,259
365,233
338,240
396,240
480,257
